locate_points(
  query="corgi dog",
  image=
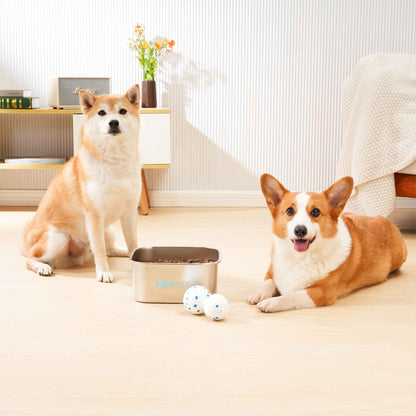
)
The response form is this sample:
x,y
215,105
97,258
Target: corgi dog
x,y
318,253
97,187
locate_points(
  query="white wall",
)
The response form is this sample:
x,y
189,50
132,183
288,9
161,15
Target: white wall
x,y
254,86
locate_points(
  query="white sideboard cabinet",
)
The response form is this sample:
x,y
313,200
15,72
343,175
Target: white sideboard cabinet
x,y
154,144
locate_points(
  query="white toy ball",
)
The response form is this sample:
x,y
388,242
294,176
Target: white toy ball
x,y
194,299
216,307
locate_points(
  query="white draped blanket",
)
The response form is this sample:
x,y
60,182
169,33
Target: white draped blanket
x,y
379,129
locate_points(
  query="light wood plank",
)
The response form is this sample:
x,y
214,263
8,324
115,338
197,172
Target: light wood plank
x,y
71,346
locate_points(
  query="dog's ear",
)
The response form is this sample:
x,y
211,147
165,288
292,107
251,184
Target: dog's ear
x,y
133,95
337,194
273,191
86,100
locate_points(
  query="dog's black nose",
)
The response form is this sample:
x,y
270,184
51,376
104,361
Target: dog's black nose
x,y
113,123
300,231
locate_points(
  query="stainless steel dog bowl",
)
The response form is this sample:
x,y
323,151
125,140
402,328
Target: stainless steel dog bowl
x,y
162,274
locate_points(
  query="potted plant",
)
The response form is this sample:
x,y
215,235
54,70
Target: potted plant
x,y
148,53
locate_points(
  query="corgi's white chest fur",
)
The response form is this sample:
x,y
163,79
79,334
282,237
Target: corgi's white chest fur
x,y
294,271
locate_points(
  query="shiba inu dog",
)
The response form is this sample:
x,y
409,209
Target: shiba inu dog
x,y
319,253
93,190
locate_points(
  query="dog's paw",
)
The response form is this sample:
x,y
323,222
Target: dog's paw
x,y
117,252
269,305
258,297
44,270
105,277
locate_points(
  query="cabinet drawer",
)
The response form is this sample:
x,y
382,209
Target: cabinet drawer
x,y
154,139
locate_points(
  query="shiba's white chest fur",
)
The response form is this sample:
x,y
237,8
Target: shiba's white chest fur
x,y
293,270
114,182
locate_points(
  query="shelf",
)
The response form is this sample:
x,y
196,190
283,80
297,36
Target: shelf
x,y
39,111
154,110
17,167
74,111
156,166
7,166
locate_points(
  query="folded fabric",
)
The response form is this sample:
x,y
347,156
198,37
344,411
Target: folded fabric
x,y
379,129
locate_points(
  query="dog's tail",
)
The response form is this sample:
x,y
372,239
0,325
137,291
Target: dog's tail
x,y
399,252
25,243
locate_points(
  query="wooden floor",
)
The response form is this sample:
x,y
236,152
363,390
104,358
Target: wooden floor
x,y
72,346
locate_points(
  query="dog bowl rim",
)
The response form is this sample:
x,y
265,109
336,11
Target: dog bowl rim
x,y
177,264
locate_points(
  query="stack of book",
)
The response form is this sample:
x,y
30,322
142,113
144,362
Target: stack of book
x,y
18,99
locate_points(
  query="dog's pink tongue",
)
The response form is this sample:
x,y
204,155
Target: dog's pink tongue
x,y
301,245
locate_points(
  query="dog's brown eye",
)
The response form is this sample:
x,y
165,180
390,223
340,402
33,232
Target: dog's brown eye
x,y
101,113
315,212
290,211
123,111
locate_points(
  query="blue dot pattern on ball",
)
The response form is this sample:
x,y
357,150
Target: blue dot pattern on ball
x,y
216,307
194,299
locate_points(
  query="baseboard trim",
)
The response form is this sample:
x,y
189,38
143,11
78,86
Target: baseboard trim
x,y
207,199
158,198
178,199
21,198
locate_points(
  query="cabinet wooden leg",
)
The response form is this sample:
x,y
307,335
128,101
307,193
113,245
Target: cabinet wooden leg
x,y
144,197
146,190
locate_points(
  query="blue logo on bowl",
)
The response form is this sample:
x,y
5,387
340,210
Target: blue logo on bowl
x,y
170,284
